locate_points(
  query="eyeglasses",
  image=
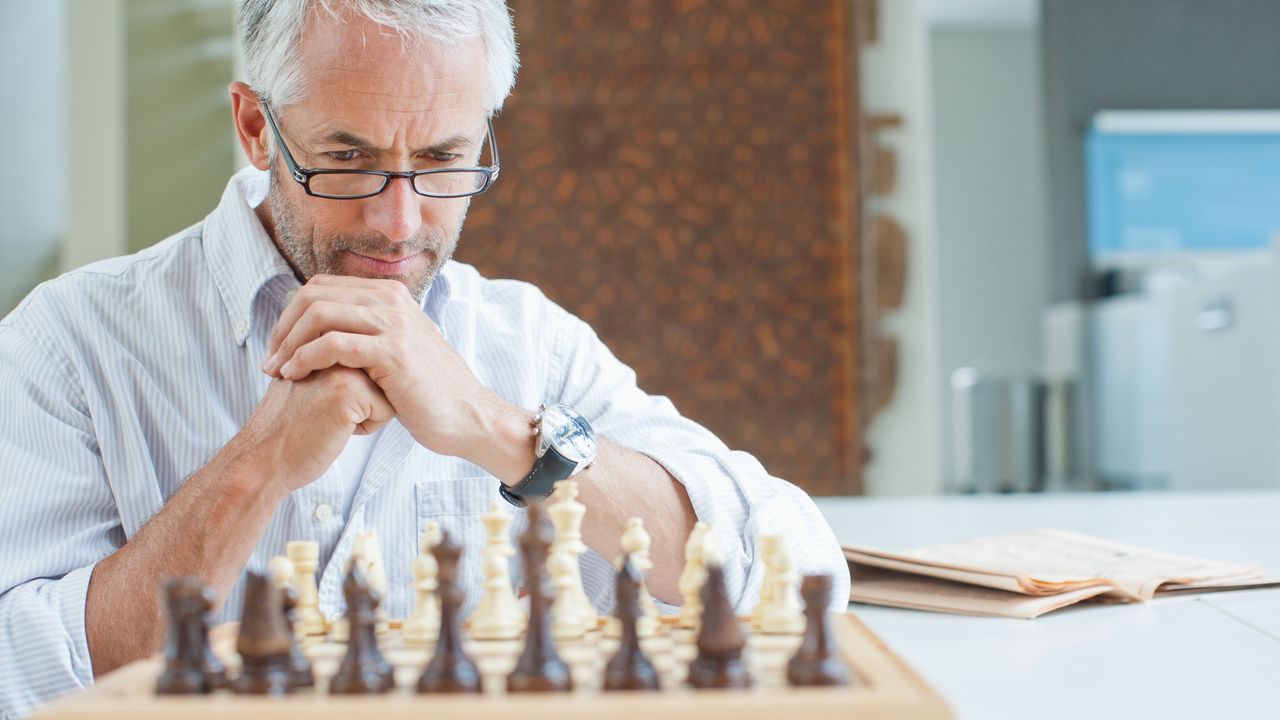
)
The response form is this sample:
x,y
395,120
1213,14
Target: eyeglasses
x,y
356,184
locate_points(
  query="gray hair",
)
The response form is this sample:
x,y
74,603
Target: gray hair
x,y
270,31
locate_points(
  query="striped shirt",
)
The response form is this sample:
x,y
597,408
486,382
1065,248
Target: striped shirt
x,y
121,379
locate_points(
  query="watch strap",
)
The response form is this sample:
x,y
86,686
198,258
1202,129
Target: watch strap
x,y
549,469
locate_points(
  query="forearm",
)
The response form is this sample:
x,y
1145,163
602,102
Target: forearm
x,y
208,529
622,484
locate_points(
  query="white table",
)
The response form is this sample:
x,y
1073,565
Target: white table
x,y
1200,656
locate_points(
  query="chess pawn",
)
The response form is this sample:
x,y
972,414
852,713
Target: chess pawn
x,y
305,556
566,515
282,572
816,662
768,546
783,615
424,623
369,551
635,544
700,544
498,616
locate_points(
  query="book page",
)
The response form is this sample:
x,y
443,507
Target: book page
x,y
877,586
1052,561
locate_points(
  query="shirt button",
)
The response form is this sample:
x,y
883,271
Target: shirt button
x,y
241,327
323,512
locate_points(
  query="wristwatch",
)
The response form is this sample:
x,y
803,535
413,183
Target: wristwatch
x,y
566,447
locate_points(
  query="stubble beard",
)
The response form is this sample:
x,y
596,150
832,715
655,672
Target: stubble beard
x,y
310,255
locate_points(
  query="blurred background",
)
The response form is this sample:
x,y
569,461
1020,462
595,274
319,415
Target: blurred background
x,y
893,247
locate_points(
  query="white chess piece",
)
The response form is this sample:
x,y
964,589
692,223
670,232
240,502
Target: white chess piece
x,y
783,616
498,616
423,624
700,549
768,546
305,555
564,566
369,551
635,543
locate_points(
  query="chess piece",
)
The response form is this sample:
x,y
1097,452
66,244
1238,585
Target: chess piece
x,y
629,668
816,662
768,546
424,622
782,616
282,573
305,556
498,616
539,668
450,670
263,642
701,542
186,642
719,662
363,670
369,551
635,544
215,673
572,613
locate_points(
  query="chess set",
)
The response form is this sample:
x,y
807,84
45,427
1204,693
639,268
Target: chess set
x,y
282,660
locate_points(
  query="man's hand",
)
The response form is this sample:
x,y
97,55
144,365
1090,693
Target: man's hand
x,y
300,427
377,326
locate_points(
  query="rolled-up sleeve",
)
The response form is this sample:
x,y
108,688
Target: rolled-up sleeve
x,y
728,489
57,519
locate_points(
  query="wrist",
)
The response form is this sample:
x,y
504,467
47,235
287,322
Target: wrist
x,y
504,444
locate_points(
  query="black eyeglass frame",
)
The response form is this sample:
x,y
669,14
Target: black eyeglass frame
x,y
303,175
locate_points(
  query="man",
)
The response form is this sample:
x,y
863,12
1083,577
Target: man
x,y
308,363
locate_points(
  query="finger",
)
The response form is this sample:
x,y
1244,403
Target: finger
x,y
351,350
387,290
320,317
305,297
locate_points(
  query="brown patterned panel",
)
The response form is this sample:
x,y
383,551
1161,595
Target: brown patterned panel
x,y
677,174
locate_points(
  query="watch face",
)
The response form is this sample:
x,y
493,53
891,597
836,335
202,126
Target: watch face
x,y
569,433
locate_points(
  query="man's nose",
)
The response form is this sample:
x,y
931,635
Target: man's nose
x,y
396,212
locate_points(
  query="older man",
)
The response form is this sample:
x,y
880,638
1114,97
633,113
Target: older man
x,y
308,362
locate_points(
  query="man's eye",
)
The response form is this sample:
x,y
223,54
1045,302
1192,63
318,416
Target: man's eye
x,y
445,157
343,155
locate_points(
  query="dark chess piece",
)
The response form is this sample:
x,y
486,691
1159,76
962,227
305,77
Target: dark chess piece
x,y
263,642
186,643
816,662
629,668
450,670
539,668
300,674
363,671
719,662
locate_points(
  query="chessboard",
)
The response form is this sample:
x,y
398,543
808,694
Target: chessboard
x,y
883,686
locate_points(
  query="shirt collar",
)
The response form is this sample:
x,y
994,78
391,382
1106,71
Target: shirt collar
x,y
242,258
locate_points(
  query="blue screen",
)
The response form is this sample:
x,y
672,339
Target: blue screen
x,y
1165,192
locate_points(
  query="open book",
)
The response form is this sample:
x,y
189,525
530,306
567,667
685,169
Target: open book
x,y
1028,574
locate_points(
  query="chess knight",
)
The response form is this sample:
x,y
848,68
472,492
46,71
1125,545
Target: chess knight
x,y
308,362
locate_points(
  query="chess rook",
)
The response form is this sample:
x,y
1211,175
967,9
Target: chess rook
x,y
184,647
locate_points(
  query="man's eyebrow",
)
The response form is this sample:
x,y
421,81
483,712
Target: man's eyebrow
x,y
342,137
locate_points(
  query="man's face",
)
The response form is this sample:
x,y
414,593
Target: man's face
x,y
372,103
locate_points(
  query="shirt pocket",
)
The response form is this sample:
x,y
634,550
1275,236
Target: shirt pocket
x,y
457,499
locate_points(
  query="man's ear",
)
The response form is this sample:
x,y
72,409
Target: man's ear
x,y
251,124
